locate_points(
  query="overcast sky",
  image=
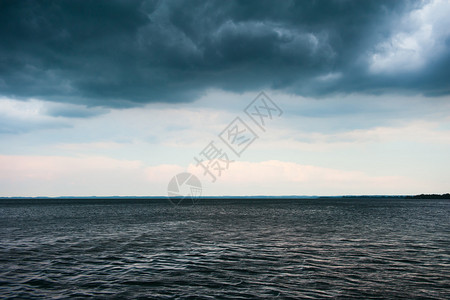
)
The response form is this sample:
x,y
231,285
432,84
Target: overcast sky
x,y
116,97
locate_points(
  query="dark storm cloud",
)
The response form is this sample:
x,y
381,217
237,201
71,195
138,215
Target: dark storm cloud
x,y
122,53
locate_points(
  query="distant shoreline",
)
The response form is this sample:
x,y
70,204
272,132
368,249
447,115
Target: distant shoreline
x,y
420,196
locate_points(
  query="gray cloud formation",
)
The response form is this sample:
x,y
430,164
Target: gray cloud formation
x,y
125,53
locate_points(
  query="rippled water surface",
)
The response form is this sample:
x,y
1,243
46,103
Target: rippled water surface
x,y
225,249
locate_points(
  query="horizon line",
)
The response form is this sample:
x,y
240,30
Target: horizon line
x,y
445,195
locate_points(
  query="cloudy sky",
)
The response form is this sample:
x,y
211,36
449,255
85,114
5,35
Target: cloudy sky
x,y
117,97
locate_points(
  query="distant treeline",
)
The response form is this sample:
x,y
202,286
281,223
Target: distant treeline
x,y
429,196
421,196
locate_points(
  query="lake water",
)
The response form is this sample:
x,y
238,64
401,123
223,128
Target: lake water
x,y
225,249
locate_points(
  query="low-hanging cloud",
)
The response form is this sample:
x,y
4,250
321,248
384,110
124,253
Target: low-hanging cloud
x,y
128,53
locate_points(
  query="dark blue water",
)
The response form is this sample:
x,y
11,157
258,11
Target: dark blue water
x,y
229,249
